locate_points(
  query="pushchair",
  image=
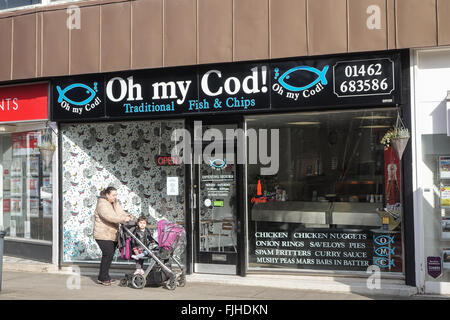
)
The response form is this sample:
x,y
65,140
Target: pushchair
x,y
171,245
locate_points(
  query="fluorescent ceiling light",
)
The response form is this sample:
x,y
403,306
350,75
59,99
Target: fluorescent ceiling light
x,y
373,117
304,123
375,126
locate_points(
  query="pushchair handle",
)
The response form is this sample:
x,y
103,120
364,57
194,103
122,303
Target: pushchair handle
x,y
129,224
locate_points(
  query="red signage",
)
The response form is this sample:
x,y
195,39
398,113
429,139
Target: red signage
x,y
6,206
24,102
392,178
167,161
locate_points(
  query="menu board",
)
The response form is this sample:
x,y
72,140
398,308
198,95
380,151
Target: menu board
x,y
218,185
315,249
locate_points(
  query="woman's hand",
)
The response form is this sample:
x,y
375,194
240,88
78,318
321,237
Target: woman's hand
x,y
127,218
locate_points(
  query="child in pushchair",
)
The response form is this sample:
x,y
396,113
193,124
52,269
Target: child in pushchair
x,y
145,237
171,244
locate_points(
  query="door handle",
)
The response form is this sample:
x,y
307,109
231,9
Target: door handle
x,y
194,200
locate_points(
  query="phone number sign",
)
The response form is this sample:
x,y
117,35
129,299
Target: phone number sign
x,y
360,78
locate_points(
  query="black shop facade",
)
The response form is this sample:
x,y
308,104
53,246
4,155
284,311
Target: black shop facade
x,y
270,166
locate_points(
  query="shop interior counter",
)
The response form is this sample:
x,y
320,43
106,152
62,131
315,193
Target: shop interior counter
x,y
356,213
338,213
291,211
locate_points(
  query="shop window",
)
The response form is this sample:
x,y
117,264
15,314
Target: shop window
x,y
25,186
124,155
435,174
324,208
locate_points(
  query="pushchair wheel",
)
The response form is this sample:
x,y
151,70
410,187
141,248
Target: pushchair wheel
x,y
182,281
138,281
171,283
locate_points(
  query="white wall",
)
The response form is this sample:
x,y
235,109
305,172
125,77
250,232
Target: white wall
x,y
432,77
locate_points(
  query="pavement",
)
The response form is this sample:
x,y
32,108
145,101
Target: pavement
x,y
30,280
35,286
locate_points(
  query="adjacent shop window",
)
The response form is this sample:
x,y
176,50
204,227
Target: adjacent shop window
x,y
25,186
435,173
323,209
131,156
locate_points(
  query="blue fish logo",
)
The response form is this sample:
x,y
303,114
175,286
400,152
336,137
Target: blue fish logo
x,y
384,251
91,92
218,163
321,77
384,240
384,262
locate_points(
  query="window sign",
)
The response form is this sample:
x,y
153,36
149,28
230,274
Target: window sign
x,y
314,249
434,266
444,167
172,186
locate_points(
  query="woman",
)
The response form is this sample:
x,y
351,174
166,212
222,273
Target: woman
x,y
108,215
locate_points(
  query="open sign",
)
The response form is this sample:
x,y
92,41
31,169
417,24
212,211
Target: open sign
x,y
167,161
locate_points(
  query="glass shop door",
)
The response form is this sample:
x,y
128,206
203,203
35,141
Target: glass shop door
x,y
216,205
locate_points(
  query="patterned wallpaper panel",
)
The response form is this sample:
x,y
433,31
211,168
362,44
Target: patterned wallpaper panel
x,y
123,155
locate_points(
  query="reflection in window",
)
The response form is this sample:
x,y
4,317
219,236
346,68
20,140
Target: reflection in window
x,y
8,4
26,191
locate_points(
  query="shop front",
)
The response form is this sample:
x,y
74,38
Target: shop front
x,y
27,172
430,69
270,166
